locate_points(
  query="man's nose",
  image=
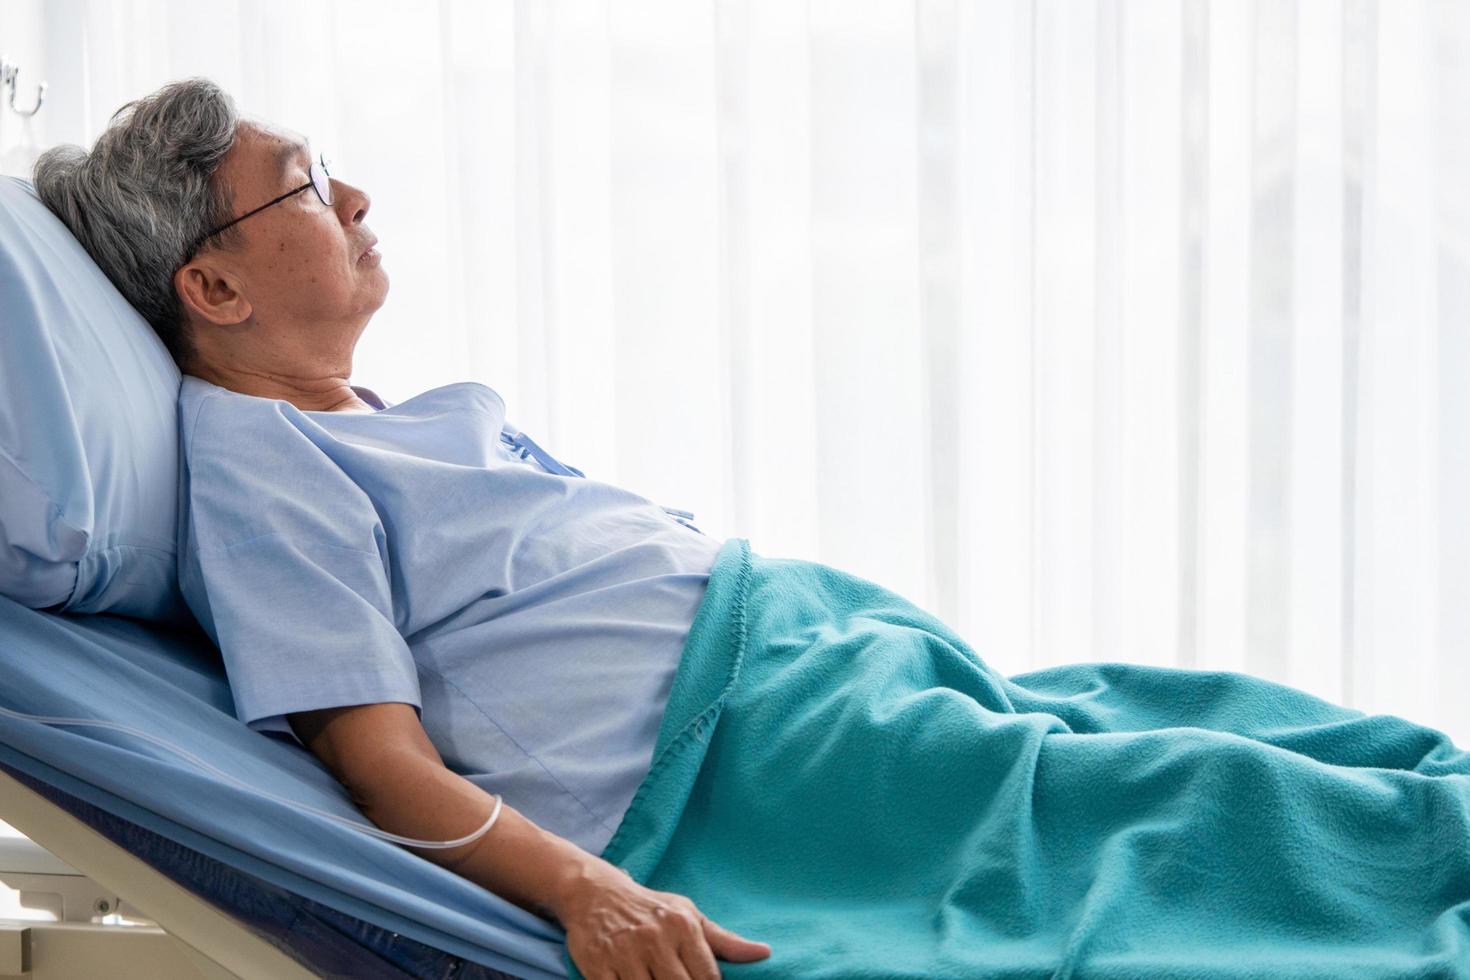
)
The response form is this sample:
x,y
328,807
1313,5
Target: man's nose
x,y
351,200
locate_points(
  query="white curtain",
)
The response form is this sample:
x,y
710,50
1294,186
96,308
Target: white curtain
x,y
1127,331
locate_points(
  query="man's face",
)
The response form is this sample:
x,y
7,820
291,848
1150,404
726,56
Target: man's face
x,y
302,282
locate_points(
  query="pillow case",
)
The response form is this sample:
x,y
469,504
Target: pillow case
x,y
89,462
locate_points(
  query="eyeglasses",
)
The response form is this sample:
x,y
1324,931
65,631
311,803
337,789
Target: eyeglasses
x,y
320,180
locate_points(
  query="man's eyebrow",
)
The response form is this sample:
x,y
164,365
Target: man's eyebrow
x,y
287,153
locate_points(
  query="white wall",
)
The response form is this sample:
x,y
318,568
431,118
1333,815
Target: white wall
x,y
22,138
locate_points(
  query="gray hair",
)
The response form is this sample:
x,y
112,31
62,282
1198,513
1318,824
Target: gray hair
x,y
144,196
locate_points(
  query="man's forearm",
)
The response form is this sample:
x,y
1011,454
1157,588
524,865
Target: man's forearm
x,y
516,859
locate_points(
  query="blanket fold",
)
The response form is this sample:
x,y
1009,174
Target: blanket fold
x,y
840,775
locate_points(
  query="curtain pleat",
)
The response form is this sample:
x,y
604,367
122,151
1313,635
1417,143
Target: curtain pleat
x,y
1398,581
1357,99
1449,39
1152,338
1224,463
943,430
1313,642
1270,339
732,265
1107,516
1194,116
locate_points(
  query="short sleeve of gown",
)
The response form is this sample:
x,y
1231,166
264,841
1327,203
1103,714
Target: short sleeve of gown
x,y
285,564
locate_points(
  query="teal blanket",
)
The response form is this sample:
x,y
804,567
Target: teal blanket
x,y
839,775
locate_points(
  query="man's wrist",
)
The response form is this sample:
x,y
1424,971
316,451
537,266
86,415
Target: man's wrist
x,y
581,876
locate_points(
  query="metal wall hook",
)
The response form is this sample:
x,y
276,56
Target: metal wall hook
x,y
8,76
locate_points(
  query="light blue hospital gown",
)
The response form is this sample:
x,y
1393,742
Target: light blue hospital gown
x,y
535,620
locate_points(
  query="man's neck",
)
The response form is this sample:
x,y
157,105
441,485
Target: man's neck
x,y
332,393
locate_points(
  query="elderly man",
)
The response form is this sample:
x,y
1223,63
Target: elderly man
x,y
433,613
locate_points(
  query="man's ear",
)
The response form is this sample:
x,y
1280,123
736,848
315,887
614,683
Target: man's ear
x,y
214,295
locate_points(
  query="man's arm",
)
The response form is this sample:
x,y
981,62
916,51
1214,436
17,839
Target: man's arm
x,y
382,754
614,926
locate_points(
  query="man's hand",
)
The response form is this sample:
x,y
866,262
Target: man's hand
x,y
617,928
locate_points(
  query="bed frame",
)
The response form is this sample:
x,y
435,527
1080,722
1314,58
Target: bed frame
x,y
175,913
180,936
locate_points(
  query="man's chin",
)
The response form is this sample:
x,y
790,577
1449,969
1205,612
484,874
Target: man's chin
x,y
373,306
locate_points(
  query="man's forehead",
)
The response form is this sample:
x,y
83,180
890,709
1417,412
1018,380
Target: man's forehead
x,y
278,143
262,157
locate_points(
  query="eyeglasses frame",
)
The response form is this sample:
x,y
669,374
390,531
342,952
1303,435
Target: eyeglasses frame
x,y
320,161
